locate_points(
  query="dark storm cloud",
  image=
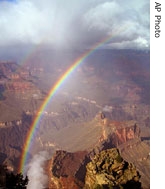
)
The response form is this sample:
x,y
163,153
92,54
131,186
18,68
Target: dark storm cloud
x,y
75,23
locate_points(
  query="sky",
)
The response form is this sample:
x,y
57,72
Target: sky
x,y
75,23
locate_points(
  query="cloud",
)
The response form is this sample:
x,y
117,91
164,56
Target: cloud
x,y
75,23
37,176
129,21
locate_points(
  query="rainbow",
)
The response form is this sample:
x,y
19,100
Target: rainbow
x,y
52,92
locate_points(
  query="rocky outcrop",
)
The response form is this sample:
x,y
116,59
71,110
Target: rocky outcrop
x,y
118,131
67,170
124,134
108,170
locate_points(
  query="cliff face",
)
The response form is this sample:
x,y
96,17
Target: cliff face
x,y
122,135
67,170
118,132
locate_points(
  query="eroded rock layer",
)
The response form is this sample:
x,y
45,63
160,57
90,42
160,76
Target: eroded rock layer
x,y
107,169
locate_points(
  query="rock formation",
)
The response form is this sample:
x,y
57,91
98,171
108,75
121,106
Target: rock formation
x,y
67,170
14,78
108,170
124,134
120,131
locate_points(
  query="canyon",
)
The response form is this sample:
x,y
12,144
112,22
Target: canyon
x,y
71,167
102,105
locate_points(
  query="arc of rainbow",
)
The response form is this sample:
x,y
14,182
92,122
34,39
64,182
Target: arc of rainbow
x,y
52,92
